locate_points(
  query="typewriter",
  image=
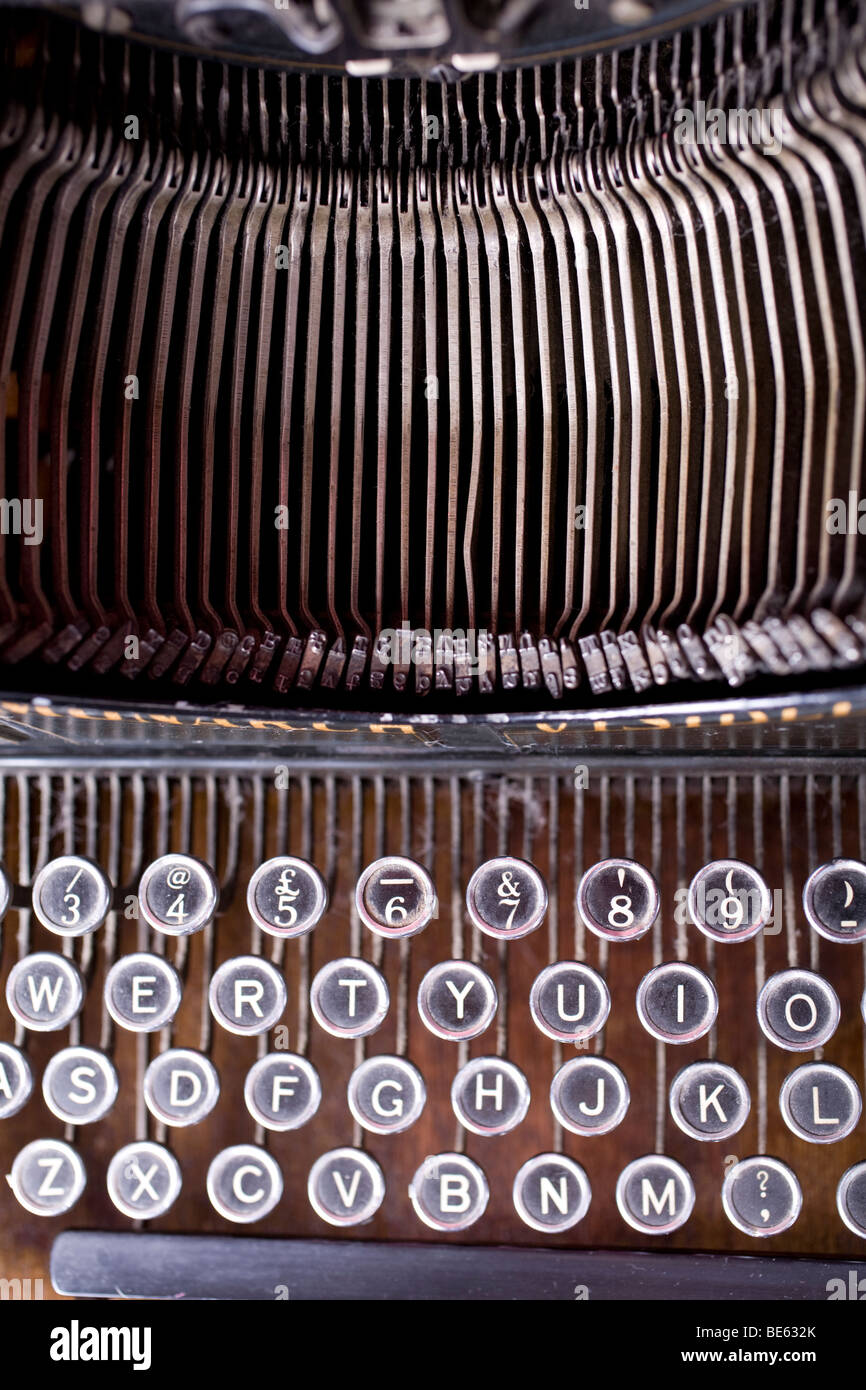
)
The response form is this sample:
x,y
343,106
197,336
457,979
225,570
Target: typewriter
x,y
432,649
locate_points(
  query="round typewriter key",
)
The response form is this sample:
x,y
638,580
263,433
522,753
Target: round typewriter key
x,y
44,991
834,900
247,995
5,891
346,1187
506,898
349,997
449,1192
80,1085
490,1095
395,897
47,1177
761,1196
16,1080
851,1199
709,1100
677,1003
286,896
143,1180
457,1000
178,895
569,1001
551,1193
820,1102
589,1095
618,899
142,992
71,896
282,1091
386,1094
798,1010
655,1194
244,1183
181,1086
729,901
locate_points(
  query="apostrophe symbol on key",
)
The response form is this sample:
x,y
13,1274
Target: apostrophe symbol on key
x,y
620,916
178,878
763,1178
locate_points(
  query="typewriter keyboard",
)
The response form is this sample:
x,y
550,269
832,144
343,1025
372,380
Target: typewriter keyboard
x,y
403,1005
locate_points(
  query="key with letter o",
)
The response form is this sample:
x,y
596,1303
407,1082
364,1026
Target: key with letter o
x,y
798,1010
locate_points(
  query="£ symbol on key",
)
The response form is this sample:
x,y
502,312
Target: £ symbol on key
x,y
284,888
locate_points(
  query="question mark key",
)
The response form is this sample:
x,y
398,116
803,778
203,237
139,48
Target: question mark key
x,y
761,1196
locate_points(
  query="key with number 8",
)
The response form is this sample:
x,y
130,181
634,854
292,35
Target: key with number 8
x,y
618,899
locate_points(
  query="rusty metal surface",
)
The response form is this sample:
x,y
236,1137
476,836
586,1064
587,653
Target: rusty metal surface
x,y
554,404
